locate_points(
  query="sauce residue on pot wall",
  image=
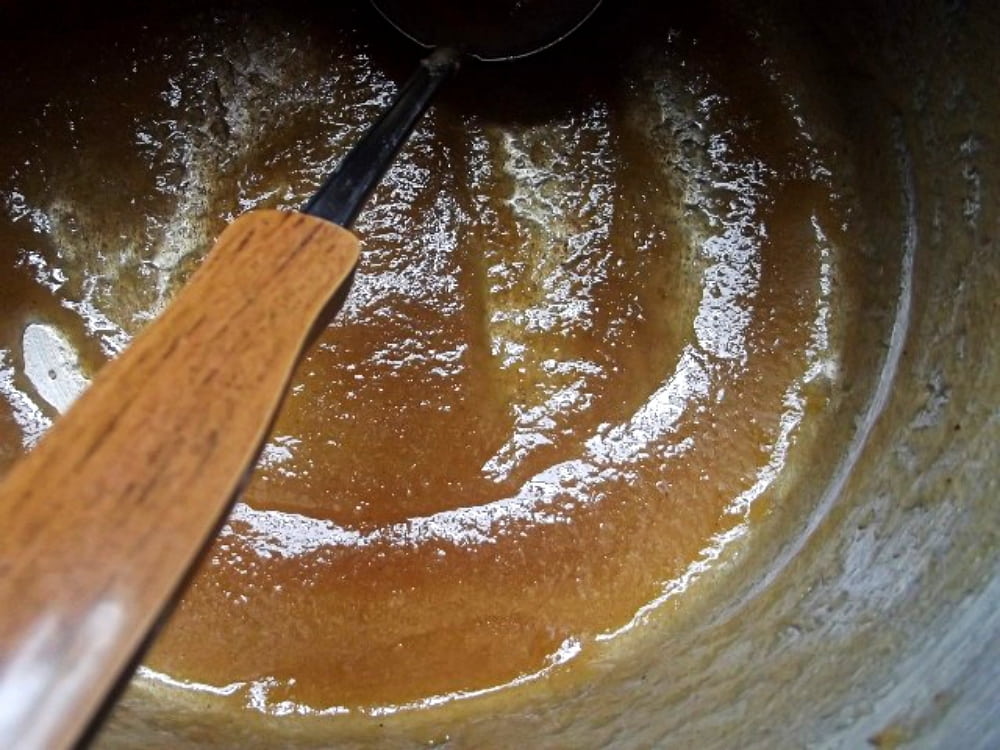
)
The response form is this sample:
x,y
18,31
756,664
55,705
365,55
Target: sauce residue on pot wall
x,y
579,346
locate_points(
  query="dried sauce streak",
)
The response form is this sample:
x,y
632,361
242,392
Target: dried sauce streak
x,y
577,349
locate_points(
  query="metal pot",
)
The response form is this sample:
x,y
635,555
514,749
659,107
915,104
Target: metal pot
x,y
865,606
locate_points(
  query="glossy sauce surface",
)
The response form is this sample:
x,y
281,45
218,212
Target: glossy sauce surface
x,y
588,330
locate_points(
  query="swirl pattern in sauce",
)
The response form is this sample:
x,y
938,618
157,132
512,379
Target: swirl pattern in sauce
x,y
577,350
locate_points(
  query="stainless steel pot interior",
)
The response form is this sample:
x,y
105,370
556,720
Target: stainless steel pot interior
x,y
867,610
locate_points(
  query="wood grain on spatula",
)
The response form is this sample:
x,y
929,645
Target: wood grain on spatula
x,y
101,521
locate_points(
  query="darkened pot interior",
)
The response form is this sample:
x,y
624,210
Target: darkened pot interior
x,y
864,607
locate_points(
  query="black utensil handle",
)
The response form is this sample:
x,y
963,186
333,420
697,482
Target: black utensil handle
x,y
345,192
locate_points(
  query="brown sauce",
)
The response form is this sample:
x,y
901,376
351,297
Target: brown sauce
x,y
580,346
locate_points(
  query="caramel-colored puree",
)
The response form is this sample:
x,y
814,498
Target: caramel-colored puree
x,y
579,346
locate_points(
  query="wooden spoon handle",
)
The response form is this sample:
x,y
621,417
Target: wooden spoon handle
x,y
100,522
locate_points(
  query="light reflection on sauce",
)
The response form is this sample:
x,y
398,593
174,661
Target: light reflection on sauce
x,y
575,353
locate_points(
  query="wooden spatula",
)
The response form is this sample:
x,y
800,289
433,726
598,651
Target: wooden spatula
x,y
101,522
